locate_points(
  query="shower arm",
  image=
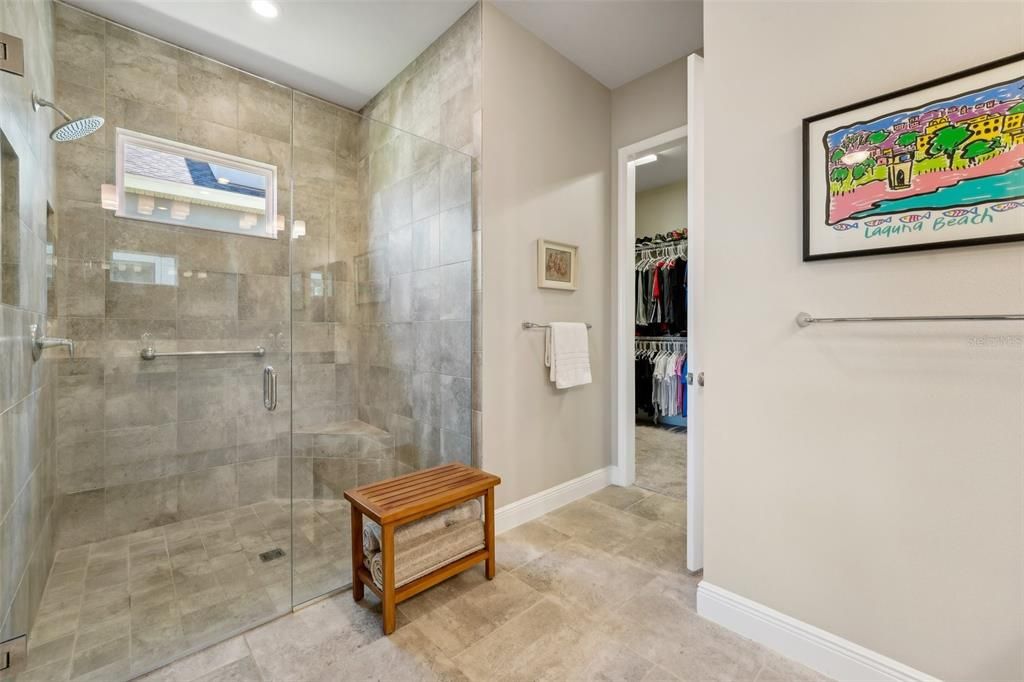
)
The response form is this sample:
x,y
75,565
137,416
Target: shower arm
x,y
38,102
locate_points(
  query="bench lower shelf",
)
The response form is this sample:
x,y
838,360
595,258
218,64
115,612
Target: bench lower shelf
x,y
427,581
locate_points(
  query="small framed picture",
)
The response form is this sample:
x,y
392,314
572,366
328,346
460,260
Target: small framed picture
x,y
557,265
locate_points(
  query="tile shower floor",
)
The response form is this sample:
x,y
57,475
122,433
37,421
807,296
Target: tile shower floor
x,y
117,608
661,460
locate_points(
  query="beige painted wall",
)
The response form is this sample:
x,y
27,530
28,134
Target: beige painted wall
x,y
649,105
661,209
546,135
864,479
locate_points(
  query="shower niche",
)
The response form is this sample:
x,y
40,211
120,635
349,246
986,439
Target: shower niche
x,y
10,223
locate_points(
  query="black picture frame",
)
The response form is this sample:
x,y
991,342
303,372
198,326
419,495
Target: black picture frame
x,y
806,180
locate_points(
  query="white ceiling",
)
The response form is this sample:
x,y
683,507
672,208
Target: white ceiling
x,y
615,41
669,168
345,51
341,50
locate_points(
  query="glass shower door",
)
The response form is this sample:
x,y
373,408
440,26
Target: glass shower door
x,y
381,297
173,460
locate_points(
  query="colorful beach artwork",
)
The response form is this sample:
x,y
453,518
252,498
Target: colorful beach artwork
x,y
937,165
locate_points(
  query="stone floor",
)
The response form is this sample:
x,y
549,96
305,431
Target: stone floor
x,y
595,590
661,459
116,608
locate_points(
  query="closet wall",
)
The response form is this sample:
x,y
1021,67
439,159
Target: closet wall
x,y
661,209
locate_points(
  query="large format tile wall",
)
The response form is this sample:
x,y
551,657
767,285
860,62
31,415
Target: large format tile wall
x,y
326,151
423,233
141,444
27,409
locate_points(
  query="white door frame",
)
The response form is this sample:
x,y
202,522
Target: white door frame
x,y
624,398
696,362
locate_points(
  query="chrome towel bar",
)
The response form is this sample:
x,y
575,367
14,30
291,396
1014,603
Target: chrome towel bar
x,y
150,353
806,319
534,325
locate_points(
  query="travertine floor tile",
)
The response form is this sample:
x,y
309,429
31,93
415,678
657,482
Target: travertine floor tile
x,y
658,507
620,497
594,591
583,576
527,542
661,460
477,612
596,524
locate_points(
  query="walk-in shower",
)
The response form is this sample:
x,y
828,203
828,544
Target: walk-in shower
x,y
191,503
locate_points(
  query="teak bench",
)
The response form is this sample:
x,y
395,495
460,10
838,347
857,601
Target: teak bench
x,y
404,499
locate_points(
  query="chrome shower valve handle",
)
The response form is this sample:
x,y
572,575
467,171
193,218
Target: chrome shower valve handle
x,y
41,342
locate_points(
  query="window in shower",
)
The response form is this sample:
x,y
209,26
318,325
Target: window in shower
x,y
178,184
143,268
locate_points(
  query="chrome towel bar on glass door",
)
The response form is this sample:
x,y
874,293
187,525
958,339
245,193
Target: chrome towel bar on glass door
x,y
806,319
151,354
534,325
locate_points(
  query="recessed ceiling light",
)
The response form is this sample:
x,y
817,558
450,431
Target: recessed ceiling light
x,y
223,181
264,8
650,158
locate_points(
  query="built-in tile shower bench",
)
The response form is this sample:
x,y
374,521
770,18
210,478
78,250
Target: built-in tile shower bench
x,y
351,438
344,453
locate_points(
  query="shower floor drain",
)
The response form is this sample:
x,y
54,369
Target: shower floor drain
x,y
275,553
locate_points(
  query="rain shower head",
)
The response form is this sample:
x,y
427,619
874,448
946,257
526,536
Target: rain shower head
x,y
73,128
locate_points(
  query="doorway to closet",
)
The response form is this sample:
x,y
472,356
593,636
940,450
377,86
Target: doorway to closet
x,y
660,343
659,292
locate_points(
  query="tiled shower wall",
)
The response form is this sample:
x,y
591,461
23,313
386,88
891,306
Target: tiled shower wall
x,y
145,443
141,444
432,212
27,410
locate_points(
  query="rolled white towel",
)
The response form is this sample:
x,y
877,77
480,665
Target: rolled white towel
x,y
463,512
429,552
467,511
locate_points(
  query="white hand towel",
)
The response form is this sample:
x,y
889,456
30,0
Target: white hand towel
x,y
567,353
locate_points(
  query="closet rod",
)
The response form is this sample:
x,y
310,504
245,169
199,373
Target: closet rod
x,y
805,319
660,245
674,339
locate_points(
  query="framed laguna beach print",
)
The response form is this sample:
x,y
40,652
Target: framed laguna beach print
x,y
557,265
936,165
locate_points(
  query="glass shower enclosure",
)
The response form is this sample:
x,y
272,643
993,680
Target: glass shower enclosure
x,y
238,366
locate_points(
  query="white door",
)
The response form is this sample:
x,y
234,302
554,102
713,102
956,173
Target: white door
x,y
695,309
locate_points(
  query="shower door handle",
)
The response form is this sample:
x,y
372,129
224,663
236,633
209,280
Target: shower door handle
x,y
269,388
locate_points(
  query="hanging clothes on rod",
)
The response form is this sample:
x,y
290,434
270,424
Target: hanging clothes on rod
x,y
661,376
660,285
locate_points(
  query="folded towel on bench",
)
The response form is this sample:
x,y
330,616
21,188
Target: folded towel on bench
x,y
420,555
464,512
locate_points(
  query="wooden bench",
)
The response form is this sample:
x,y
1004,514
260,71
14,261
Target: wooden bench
x,y
404,499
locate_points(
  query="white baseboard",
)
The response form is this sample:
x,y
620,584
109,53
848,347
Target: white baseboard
x,y
813,647
539,504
